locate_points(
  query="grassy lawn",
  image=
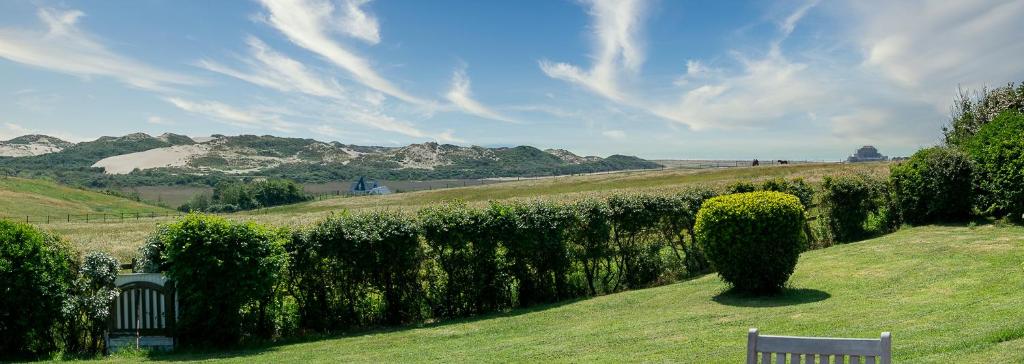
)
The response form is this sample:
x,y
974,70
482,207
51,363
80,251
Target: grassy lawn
x,y
946,293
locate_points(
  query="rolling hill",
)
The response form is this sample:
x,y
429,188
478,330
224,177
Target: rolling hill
x,y
20,197
140,159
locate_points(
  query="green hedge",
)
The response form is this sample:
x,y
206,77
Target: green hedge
x,y
848,200
37,271
50,302
226,275
358,270
382,268
753,239
998,150
935,185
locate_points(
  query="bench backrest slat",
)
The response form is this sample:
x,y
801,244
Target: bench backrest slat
x,y
822,348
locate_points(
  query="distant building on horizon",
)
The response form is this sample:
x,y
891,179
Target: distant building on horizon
x,y
362,187
867,153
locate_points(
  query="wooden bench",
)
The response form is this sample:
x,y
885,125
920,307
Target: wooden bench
x,y
817,350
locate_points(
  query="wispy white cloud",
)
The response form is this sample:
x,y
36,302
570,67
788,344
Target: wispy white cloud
x,y
156,120
12,130
255,117
931,47
357,23
765,90
64,47
460,95
614,134
271,69
616,27
9,130
310,23
37,101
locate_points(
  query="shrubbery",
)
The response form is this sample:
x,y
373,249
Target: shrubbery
x,y
357,270
37,272
88,307
935,185
848,201
451,260
237,196
753,239
469,279
998,149
971,114
226,274
49,302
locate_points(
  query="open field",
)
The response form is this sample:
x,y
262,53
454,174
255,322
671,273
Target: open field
x,y
122,239
574,186
20,197
946,293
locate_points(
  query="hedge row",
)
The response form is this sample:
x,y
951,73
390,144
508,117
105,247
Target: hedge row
x,y
450,260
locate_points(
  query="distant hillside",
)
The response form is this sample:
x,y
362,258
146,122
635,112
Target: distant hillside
x,y
20,197
140,159
31,145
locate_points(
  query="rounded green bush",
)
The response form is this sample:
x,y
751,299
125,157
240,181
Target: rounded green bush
x,y
752,239
37,271
935,185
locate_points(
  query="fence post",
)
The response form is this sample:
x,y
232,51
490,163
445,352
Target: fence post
x,y
69,217
87,217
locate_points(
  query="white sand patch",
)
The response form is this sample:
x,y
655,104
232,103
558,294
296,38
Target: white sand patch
x,y
27,150
176,156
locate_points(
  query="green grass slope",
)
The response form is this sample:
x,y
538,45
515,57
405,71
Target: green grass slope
x,y
20,197
947,294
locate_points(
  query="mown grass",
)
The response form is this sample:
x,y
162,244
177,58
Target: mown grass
x,y
947,294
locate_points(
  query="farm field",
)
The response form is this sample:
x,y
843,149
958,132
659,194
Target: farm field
x,y
943,291
123,238
20,197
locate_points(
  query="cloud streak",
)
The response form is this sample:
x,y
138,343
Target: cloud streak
x,y
65,48
309,24
274,70
618,47
460,95
256,118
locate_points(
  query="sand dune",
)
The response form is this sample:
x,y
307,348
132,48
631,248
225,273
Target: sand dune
x,y
176,156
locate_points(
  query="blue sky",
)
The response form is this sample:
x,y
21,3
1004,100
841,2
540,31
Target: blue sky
x,y
657,79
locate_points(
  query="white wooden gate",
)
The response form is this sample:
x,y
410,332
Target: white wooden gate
x,y
144,312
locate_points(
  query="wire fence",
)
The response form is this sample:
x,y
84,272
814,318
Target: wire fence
x,y
91,217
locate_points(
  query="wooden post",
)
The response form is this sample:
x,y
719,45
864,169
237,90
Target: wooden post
x,y
752,346
886,357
